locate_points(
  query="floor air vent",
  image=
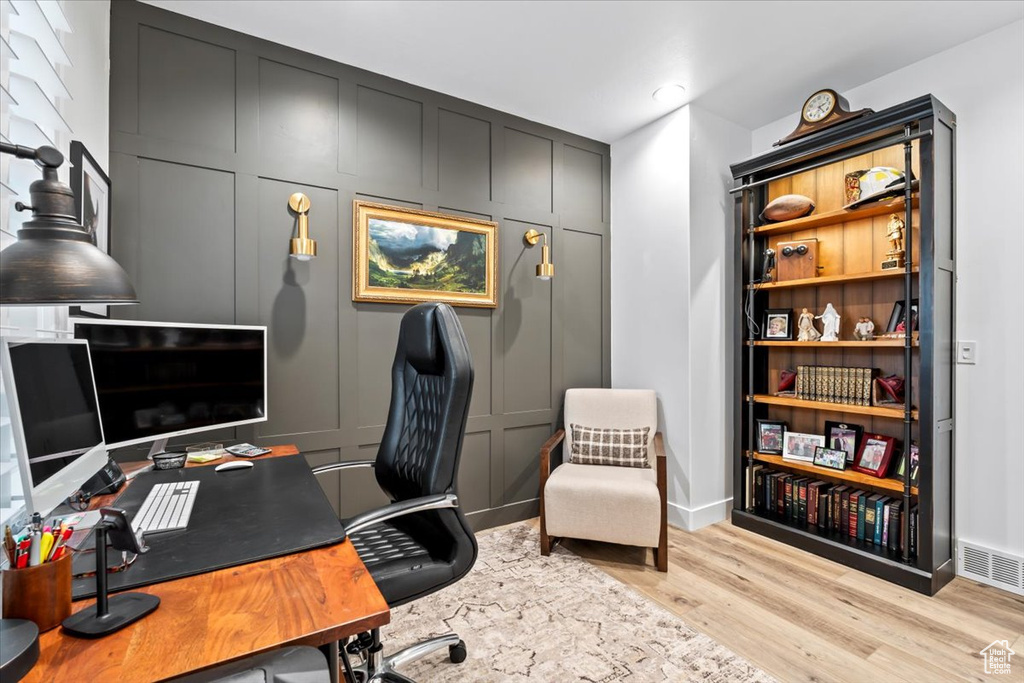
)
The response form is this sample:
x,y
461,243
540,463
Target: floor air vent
x,y
990,567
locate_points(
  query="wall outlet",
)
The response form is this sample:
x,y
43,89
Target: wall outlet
x,y
967,352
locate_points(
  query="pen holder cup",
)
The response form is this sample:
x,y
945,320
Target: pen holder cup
x,y
41,594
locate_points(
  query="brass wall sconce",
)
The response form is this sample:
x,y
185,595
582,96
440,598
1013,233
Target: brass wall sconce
x,y
302,247
545,269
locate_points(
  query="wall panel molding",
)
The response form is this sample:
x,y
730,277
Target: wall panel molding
x,y
291,121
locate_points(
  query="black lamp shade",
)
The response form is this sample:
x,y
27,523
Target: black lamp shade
x,y
54,261
63,272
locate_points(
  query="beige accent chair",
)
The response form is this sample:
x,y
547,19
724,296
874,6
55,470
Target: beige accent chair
x,y
625,505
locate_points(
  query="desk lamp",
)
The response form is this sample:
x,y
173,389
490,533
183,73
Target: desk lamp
x,y
54,261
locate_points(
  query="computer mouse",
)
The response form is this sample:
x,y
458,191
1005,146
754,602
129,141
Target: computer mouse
x,y
233,465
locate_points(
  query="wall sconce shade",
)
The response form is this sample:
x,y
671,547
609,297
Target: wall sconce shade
x,y
545,269
302,247
54,262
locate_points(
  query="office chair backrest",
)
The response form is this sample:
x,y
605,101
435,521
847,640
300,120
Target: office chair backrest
x,y
432,382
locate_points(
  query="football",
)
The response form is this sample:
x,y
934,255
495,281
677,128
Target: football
x,y
787,207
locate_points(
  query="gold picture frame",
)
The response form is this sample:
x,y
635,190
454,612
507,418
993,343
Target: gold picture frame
x,y
422,256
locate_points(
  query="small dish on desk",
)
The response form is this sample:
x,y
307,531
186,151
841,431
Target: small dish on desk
x,y
169,461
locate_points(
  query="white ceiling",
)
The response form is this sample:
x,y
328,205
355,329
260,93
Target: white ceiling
x,y
591,67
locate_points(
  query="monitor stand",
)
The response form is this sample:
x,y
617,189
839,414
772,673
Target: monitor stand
x,y
158,447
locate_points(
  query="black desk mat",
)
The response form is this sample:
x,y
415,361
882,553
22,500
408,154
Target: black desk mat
x,y
240,516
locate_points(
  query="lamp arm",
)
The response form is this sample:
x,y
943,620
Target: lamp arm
x,y
46,157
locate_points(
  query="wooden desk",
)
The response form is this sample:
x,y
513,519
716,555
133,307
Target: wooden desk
x,y
310,598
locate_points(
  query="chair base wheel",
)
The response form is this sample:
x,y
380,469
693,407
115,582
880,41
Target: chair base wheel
x,y
457,652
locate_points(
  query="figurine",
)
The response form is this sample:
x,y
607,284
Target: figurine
x,y
864,330
808,332
894,231
830,319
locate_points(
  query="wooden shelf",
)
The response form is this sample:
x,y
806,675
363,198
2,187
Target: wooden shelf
x,y
833,279
834,217
876,411
851,476
844,344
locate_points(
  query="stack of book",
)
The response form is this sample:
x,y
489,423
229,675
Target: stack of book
x,y
835,385
873,518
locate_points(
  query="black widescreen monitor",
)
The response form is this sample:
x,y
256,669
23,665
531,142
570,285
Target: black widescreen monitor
x,y
157,381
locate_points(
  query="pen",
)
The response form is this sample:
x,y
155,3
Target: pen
x,y
45,544
59,548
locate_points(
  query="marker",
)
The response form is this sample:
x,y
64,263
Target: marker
x,y
59,548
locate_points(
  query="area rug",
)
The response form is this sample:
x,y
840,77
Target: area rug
x,y
525,617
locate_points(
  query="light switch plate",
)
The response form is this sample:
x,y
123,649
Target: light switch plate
x,y
967,352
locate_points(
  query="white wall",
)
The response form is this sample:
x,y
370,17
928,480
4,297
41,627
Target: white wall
x,y
982,81
88,79
714,144
650,256
671,279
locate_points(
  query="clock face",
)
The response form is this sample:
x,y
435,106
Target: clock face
x,y
818,106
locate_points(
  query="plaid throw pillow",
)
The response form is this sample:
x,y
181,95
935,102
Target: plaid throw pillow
x,y
619,447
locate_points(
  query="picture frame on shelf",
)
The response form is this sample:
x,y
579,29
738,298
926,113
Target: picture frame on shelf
x,y
875,454
915,466
778,325
799,446
895,324
770,434
92,195
845,437
832,458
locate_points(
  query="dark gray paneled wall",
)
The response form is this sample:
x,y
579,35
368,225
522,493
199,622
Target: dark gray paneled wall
x,y
211,131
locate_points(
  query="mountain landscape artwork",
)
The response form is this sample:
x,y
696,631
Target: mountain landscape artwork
x,y
407,256
410,256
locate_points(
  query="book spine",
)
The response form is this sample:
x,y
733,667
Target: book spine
x,y
844,514
788,502
833,384
845,384
869,522
851,525
879,523
886,511
812,503
861,510
802,505
824,506
780,492
835,516
819,382
759,489
894,528
801,381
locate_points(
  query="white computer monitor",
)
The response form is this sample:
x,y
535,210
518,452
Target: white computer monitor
x,y
157,381
55,419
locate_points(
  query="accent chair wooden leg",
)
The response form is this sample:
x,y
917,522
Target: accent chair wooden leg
x,y
661,556
545,540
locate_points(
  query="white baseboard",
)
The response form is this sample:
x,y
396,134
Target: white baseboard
x,y
691,519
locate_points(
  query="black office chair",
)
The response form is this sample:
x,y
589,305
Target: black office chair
x,y
421,542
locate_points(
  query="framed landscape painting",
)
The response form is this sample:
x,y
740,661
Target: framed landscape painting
x,y
405,256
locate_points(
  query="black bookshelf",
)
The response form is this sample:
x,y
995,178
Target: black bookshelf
x,y
927,360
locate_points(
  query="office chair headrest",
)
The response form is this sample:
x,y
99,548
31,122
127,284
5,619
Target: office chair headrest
x,y
420,337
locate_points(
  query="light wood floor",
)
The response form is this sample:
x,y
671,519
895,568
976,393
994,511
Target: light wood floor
x,y
803,618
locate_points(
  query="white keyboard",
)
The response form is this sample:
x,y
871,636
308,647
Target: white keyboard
x,y
167,507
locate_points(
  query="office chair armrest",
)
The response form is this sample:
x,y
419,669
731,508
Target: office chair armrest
x,y
545,456
405,507
342,466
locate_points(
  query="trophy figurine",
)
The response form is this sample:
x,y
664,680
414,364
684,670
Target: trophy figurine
x,y
894,257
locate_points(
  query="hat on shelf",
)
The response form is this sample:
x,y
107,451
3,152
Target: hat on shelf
x,y
875,183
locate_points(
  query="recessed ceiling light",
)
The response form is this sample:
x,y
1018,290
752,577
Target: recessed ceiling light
x,y
671,93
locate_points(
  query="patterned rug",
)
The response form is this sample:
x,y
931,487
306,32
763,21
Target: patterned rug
x,y
555,619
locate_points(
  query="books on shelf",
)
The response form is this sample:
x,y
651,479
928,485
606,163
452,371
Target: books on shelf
x,y
844,510
834,384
